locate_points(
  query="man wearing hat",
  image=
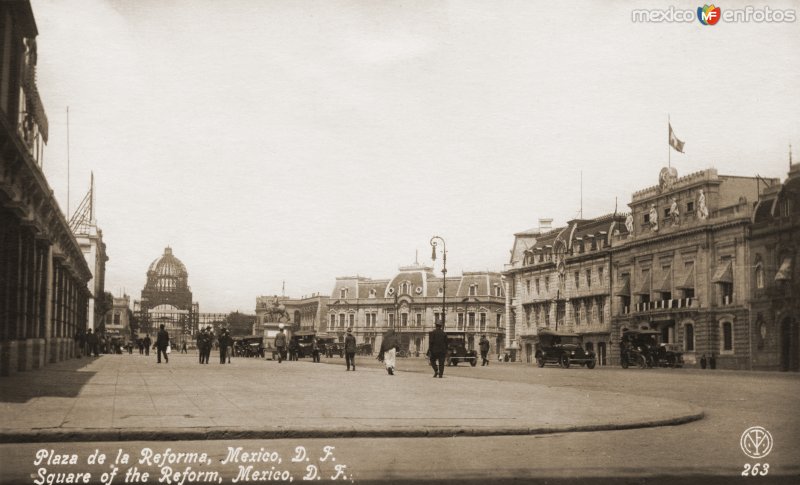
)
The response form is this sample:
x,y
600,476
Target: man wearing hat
x,y
437,345
350,349
280,344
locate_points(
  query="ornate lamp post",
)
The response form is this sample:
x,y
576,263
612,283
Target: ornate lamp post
x,y
444,270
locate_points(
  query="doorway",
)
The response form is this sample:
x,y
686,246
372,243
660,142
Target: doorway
x,y
790,345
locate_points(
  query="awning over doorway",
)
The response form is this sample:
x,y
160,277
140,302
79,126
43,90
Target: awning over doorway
x,y
644,288
785,271
724,273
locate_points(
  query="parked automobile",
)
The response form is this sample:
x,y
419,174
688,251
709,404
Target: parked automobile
x,y
563,349
249,347
457,351
364,349
642,348
330,346
303,341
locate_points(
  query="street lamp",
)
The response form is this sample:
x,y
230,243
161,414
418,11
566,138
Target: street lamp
x,y
444,270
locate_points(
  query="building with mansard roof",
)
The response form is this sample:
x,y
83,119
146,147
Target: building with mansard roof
x,y
559,279
774,272
411,303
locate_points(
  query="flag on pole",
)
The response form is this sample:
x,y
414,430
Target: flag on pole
x,y
673,140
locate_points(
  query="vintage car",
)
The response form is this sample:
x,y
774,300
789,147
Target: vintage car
x,y
457,351
643,349
249,347
303,341
330,346
562,348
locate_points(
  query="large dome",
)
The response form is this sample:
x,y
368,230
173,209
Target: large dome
x,y
167,273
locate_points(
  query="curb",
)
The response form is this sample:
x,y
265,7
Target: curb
x,y
61,435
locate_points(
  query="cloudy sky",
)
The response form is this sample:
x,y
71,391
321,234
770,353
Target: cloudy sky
x,y
297,141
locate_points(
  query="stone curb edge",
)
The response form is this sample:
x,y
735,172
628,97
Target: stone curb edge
x,y
191,434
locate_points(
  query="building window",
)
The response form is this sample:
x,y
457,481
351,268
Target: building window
x,y
577,280
527,287
471,320
576,310
588,278
498,291
352,319
537,286
483,322
498,317
727,337
547,314
341,319
601,310
343,293
688,338
418,320
440,291
473,290
372,293
116,318
332,323
546,283
647,219
437,317
404,319
689,208
600,275
391,319
460,321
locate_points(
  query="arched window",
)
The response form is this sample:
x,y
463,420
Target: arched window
x,y
759,275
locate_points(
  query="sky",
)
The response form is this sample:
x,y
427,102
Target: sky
x,y
297,141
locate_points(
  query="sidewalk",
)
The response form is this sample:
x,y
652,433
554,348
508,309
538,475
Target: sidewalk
x,y
130,397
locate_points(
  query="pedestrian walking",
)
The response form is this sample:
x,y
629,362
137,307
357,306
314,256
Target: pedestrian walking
x,y
437,345
184,350
712,361
292,349
223,339
388,353
92,344
280,344
147,342
350,349
484,346
140,343
703,361
162,343
315,350
209,344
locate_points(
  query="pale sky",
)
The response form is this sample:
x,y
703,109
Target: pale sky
x,y
298,141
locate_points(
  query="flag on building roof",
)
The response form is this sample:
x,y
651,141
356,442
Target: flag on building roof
x,y
673,140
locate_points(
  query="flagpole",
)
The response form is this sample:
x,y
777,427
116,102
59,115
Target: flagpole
x,y
669,152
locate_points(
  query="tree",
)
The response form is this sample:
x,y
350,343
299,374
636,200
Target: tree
x,y
240,323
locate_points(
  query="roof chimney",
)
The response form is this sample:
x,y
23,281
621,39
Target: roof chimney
x,y
545,225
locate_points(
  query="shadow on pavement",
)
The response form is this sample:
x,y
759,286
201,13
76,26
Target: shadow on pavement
x,y
63,379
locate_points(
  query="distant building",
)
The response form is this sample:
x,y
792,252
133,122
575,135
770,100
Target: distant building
x,y
411,303
304,313
84,226
167,299
118,320
43,275
774,272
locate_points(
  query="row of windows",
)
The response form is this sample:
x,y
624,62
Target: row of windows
x,y
725,343
405,289
406,319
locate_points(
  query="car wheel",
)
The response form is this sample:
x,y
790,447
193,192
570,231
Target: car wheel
x,y
591,364
624,363
540,360
565,361
473,362
642,361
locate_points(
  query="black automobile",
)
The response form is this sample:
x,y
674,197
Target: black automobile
x,y
249,347
562,348
641,347
303,342
457,351
330,346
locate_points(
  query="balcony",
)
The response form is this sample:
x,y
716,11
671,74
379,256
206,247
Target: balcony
x,y
660,305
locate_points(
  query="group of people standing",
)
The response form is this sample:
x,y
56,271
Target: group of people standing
x,y
205,342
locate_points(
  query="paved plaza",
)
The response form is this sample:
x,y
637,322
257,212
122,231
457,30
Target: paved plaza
x,y
129,397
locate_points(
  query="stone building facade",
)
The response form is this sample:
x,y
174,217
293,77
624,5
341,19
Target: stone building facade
x,y
304,313
411,303
118,320
43,274
775,275
560,279
683,266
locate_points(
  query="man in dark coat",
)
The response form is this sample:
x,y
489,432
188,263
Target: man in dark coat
x,y
484,346
92,344
350,349
224,342
280,344
162,342
147,343
437,344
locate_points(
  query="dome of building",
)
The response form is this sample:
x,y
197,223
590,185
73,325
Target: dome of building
x,y
167,273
